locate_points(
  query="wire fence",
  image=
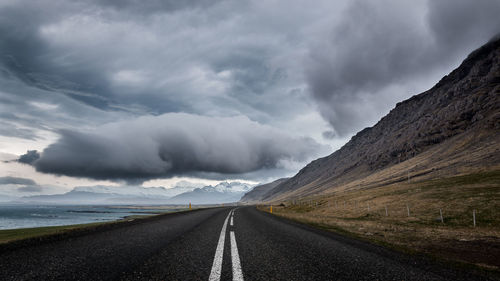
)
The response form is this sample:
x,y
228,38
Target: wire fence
x,y
412,212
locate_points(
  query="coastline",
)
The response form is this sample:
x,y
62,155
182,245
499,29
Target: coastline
x,y
20,237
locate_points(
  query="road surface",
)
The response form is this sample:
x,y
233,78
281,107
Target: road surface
x,y
216,244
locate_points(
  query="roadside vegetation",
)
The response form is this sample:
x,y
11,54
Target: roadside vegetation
x,y
434,217
9,235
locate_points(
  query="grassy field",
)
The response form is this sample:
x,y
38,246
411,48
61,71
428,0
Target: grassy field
x,y
412,221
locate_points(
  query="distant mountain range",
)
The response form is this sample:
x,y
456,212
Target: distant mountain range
x,y
181,194
452,128
221,193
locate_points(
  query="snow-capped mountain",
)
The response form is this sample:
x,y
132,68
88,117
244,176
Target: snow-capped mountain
x,y
182,193
137,190
223,192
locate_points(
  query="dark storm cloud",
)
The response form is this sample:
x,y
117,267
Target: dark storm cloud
x,y
30,58
154,57
28,185
380,44
16,181
174,144
70,66
462,22
30,157
328,134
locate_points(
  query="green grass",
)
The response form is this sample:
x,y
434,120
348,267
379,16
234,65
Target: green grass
x,y
9,235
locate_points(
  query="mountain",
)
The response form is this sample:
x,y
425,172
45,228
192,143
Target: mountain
x,y
452,128
101,194
221,193
182,193
79,197
138,191
258,192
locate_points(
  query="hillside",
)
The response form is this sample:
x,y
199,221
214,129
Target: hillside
x,y
258,192
450,129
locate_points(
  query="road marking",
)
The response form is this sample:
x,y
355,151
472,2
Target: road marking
x,y
232,219
217,265
235,257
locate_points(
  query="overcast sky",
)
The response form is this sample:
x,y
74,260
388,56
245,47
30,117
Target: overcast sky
x,y
119,92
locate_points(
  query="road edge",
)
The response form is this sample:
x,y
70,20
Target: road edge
x,y
423,260
86,230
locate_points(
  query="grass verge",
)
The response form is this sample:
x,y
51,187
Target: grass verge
x,y
412,222
9,235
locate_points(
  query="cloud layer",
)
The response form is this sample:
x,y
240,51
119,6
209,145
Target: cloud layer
x,y
175,144
20,184
324,69
108,60
29,157
355,71
16,181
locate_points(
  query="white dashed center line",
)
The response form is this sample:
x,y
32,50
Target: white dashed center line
x,y
217,265
235,257
215,274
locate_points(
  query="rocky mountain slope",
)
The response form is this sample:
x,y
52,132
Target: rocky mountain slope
x,y
451,127
258,192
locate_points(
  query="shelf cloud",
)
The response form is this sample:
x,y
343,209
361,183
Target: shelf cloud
x,y
134,90
174,144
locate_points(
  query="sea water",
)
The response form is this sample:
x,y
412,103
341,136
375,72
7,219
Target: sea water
x,y
24,216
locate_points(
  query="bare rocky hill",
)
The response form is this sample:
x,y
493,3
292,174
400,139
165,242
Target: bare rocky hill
x,y
258,192
451,127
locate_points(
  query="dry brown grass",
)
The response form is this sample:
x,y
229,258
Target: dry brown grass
x,y
456,238
460,155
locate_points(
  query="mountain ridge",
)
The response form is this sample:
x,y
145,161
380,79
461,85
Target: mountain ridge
x,y
466,100
223,192
256,194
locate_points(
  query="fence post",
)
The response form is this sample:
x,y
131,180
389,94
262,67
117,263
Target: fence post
x,y
408,209
441,215
386,213
474,217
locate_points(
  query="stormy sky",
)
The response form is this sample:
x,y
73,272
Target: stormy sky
x,y
113,92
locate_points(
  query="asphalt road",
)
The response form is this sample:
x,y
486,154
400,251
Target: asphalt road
x,y
216,244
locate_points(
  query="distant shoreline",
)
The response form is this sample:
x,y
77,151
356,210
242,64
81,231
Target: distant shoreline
x,y
23,237
35,216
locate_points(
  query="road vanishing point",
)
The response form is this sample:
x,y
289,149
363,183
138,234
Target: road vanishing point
x,y
231,243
